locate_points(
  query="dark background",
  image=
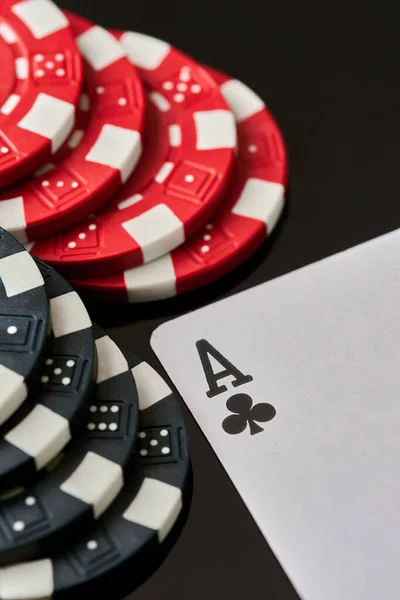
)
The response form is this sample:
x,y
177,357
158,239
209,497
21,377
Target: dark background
x,y
331,77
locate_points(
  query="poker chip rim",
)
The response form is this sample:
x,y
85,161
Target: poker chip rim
x,y
155,288
174,229
22,28
85,503
25,208
138,566
64,412
26,290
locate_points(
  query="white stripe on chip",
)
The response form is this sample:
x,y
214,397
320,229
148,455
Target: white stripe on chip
x,y
12,214
9,105
51,118
164,171
153,225
41,17
144,51
21,68
215,129
96,481
13,392
261,200
243,102
99,48
111,361
42,435
151,387
7,33
68,314
27,580
175,136
139,282
19,274
157,505
118,148
160,101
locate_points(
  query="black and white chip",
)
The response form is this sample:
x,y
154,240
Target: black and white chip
x,y
40,429
70,497
24,323
129,541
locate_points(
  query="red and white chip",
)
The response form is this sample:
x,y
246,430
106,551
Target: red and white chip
x,y
40,82
247,216
101,152
186,166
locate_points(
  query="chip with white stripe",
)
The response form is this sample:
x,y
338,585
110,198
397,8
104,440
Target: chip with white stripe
x,y
42,427
85,479
250,210
184,171
99,154
134,536
41,77
24,325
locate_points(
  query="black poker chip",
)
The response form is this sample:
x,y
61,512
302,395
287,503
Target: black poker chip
x,y
24,323
41,429
134,535
72,495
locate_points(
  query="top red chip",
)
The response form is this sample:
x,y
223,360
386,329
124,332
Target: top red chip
x,y
40,81
99,155
188,158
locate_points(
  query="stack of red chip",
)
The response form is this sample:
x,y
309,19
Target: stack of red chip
x,y
146,175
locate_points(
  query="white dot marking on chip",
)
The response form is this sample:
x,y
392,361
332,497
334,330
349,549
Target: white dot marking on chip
x,y
19,526
92,545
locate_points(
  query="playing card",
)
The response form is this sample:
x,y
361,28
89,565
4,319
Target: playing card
x,y
295,383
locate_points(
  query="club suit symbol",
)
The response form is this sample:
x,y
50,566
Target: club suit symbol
x,y
245,413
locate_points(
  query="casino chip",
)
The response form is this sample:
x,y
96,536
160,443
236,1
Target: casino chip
x,y
24,324
40,81
100,154
29,441
128,540
248,214
186,166
89,476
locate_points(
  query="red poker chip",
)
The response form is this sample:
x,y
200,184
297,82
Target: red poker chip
x,y
187,163
40,81
101,153
247,216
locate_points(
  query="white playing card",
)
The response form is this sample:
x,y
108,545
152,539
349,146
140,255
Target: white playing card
x,y
320,471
